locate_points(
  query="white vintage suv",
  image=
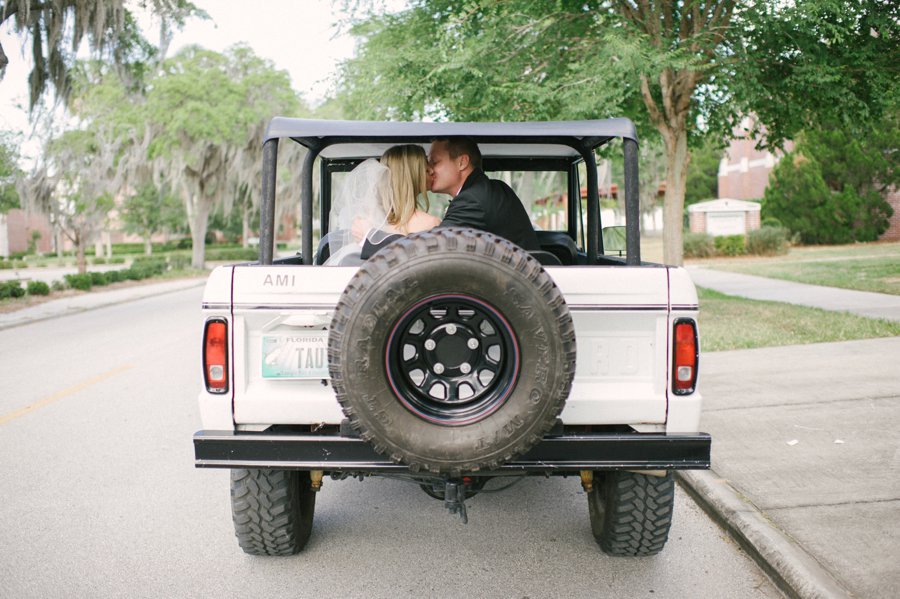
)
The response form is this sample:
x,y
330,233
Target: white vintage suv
x,y
451,357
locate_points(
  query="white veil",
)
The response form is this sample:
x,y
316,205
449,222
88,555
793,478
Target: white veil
x,y
359,206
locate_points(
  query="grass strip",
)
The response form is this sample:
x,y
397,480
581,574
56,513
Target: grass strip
x,y
730,322
860,267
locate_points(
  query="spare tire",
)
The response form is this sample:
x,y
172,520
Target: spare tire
x,y
452,351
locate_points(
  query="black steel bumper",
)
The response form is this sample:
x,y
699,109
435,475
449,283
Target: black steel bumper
x,y
558,453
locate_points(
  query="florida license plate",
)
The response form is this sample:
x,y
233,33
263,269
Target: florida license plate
x,y
296,356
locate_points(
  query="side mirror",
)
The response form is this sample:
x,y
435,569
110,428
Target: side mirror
x,y
614,240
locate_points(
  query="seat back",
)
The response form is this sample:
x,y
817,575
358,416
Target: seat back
x,y
560,245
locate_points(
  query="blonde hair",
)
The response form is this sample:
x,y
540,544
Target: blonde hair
x,y
409,183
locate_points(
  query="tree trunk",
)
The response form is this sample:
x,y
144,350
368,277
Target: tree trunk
x,y
80,259
148,246
245,226
199,219
677,160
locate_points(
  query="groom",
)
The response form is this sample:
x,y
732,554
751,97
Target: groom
x,y
478,202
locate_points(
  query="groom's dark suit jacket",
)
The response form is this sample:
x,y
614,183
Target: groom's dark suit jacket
x,y
492,206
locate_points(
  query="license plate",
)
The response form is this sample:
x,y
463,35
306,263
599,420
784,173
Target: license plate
x,y
296,356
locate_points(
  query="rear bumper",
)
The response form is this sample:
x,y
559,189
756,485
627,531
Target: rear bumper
x,y
555,454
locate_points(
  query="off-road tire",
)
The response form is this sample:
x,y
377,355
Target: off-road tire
x,y
476,278
272,510
631,513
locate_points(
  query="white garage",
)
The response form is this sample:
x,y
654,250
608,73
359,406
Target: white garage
x,y
724,216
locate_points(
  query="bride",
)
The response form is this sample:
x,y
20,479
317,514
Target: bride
x,y
380,199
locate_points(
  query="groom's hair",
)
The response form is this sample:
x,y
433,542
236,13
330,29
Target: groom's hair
x,y
459,145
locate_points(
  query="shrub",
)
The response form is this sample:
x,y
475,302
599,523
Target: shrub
x,y
731,245
179,261
768,241
98,260
77,281
699,245
116,260
11,289
113,276
38,288
238,254
98,278
5,264
57,286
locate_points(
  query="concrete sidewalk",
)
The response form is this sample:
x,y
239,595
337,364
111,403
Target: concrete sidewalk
x,y
862,303
806,462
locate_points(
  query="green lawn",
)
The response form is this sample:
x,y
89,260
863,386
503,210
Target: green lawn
x,y
863,267
729,322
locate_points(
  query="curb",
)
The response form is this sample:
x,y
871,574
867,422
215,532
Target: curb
x,y
790,567
92,301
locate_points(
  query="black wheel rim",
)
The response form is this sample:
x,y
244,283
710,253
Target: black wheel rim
x,y
452,359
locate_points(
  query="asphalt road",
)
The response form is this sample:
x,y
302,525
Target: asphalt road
x,y
100,497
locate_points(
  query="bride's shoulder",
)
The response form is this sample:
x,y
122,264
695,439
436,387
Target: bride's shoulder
x,y
422,221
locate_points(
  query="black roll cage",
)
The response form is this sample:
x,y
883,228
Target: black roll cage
x,y
583,137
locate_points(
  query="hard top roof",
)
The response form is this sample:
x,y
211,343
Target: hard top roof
x,y
323,133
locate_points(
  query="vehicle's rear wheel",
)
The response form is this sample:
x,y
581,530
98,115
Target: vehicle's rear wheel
x,y
631,513
452,351
272,510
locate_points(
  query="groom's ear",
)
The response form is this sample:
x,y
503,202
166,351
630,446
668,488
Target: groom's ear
x,y
464,160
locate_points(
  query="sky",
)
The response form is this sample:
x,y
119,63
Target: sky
x,y
296,35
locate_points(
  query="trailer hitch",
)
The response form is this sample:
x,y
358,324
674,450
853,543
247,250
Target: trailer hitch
x,y
455,498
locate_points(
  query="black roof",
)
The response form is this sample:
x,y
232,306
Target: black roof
x,y
375,134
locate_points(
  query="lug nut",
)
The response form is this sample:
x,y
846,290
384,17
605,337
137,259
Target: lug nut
x,y
473,343
465,368
438,368
451,329
430,344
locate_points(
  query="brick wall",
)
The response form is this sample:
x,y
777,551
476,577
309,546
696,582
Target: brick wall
x,y
19,227
893,232
697,221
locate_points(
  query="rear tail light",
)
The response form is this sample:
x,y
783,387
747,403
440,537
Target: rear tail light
x,y
215,356
686,357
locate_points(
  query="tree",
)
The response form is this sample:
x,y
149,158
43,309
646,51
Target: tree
x,y
9,172
149,211
74,185
831,188
207,112
703,172
668,65
56,29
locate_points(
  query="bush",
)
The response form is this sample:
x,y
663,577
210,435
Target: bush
x,y
98,278
5,264
82,282
698,245
148,266
11,289
731,245
98,260
57,286
179,261
236,254
113,276
768,241
116,260
38,288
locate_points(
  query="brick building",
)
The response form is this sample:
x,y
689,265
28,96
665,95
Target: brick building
x,y
744,175
16,230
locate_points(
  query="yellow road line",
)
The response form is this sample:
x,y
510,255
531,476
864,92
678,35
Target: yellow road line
x,y
65,392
